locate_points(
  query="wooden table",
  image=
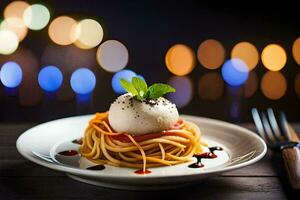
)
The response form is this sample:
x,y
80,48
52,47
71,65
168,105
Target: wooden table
x,y
21,179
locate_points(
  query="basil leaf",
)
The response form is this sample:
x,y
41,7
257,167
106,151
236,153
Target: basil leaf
x,y
159,89
140,85
128,86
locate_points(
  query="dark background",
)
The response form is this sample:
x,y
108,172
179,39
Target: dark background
x,y
148,29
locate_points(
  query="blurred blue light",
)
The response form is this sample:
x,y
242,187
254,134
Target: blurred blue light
x,y
235,72
83,81
184,90
11,74
125,74
50,78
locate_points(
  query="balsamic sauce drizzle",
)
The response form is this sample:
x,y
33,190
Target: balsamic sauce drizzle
x,y
77,141
206,155
68,153
96,167
141,171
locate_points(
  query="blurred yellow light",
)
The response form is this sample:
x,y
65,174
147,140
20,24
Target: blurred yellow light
x,y
297,84
251,85
88,33
180,60
246,52
8,42
273,85
296,50
112,55
273,57
36,17
15,9
61,30
15,25
211,54
211,86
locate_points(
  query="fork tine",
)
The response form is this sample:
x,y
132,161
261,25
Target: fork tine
x,y
284,125
258,124
274,124
267,127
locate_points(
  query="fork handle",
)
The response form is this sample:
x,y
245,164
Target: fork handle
x,y
291,157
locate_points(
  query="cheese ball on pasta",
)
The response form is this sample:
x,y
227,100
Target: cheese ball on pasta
x,y
129,115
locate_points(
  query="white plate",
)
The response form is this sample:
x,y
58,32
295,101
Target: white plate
x,y
41,143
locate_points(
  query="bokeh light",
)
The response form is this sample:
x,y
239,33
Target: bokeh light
x,y
273,57
83,81
180,60
88,34
11,74
29,92
211,54
125,74
235,72
15,25
61,30
297,84
50,78
112,55
184,91
251,85
9,42
211,86
296,50
246,52
36,17
273,85
15,9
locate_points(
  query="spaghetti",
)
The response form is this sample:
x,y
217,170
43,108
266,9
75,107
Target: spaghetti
x,y
176,145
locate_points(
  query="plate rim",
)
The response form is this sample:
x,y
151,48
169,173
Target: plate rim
x,y
93,174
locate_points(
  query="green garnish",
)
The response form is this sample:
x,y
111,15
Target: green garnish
x,y
138,87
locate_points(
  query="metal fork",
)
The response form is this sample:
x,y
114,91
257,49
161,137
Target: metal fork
x,y
280,136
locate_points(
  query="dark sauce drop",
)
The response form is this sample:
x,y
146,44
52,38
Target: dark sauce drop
x,y
68,153
77,141
212,149
206,155
196,165
96,167
141,171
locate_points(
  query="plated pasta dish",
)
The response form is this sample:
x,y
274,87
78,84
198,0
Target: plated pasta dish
x,y
141,130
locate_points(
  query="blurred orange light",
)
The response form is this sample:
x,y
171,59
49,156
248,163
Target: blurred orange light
x,y
273,57
296,50
251,85
297,84
211,54
180,59
246,52
273,85
15,9
211,86
15,25
61,30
